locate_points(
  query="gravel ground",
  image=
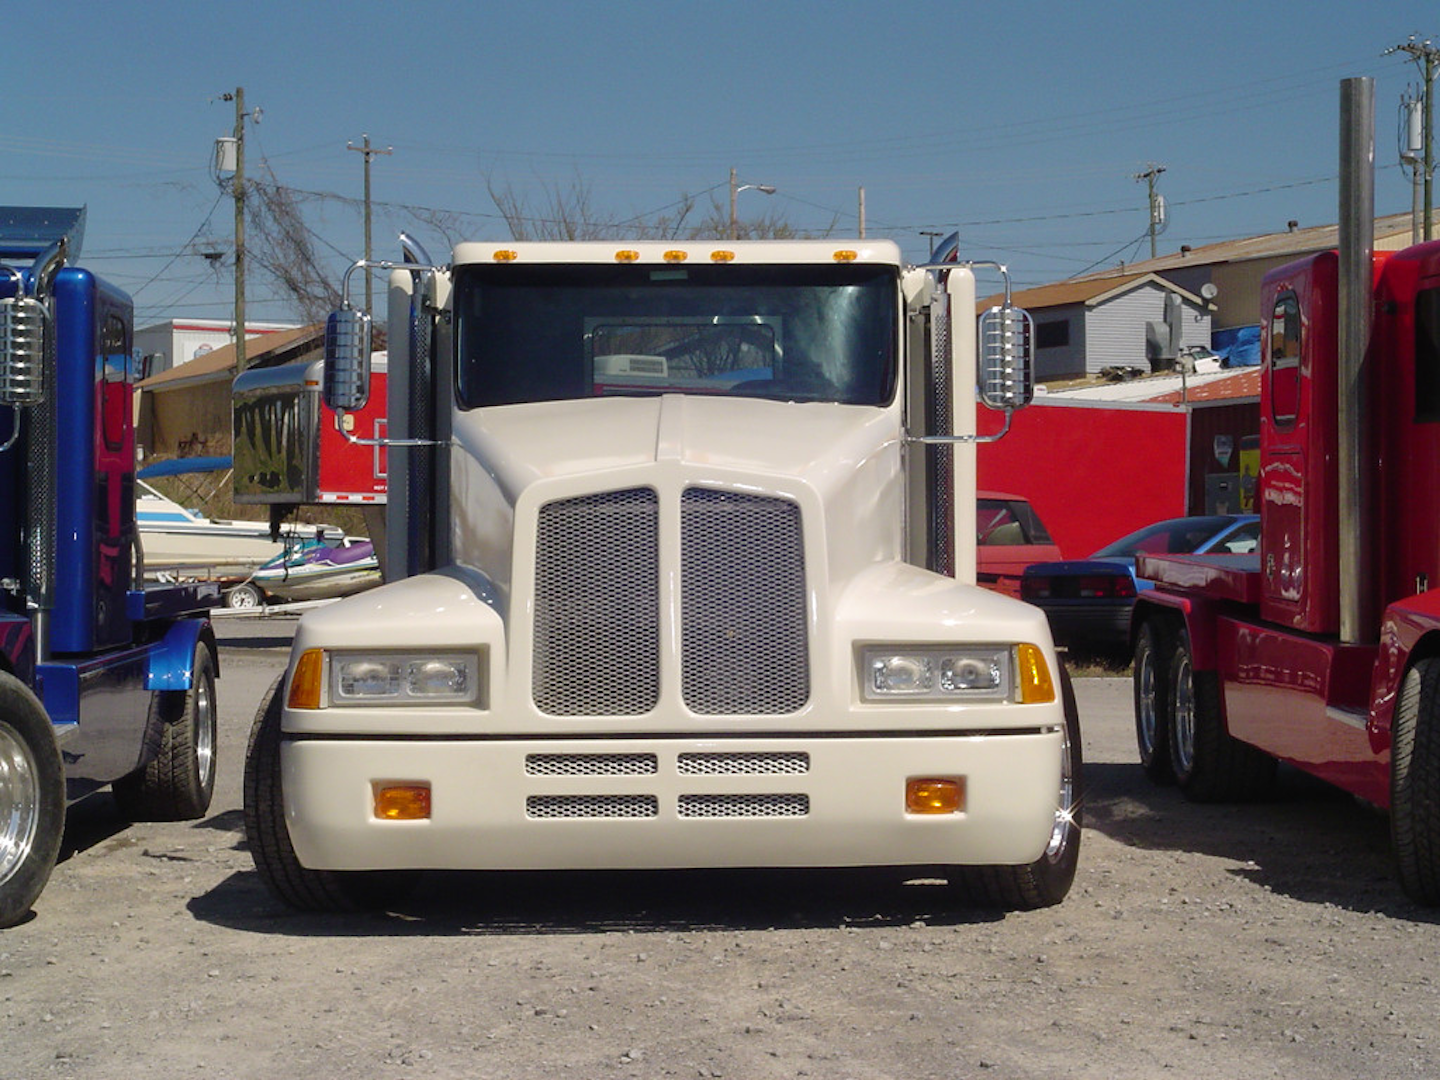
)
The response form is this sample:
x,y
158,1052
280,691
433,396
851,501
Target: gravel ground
x,y
1226,942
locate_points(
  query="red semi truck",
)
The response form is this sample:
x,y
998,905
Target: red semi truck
x,y
1323,649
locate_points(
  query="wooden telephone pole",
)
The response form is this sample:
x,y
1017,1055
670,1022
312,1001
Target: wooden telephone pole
x,y
369,152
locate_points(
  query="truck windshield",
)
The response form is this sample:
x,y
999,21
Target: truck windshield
x,y
794,333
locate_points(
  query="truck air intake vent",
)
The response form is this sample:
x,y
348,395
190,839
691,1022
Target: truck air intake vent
x,y
744,646
743,806
597,605
592,806
591,765
745,763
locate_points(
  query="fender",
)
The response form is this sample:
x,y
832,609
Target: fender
x,y
1198,613
171,661
1410,627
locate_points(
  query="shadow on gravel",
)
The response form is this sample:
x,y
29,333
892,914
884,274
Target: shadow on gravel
x,y
1309,841
453,903
92,821
253,643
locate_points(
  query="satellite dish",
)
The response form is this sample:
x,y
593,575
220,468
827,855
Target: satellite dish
x,y
1209,291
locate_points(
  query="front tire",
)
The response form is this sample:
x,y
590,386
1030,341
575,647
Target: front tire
x,y
32,800
179,780
1415,782
269,837
1210,764
1046,881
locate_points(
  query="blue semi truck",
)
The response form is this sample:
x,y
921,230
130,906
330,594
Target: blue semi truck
x,y
102,681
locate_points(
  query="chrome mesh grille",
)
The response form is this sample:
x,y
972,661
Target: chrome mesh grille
x,y
597,603
591,765
743,764
592,806
744,806
743,638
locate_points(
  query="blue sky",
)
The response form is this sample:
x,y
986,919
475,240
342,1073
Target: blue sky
x,y
1022,125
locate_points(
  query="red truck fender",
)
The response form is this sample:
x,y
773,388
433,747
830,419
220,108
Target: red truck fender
x,y
1409,630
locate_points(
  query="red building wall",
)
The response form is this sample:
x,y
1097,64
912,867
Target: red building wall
x,y
1092,473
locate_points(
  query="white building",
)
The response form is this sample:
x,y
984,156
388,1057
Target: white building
x,y
178,341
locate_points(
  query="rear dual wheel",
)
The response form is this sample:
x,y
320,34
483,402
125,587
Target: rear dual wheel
x,y
1154,646
1210,765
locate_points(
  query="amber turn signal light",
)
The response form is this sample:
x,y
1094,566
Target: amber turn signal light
x,y
402,802
931,795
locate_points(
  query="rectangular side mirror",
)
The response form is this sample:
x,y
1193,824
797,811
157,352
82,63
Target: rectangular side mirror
x,y
346,384
1007,355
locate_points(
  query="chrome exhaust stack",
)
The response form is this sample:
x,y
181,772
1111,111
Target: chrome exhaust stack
x,y
1359,596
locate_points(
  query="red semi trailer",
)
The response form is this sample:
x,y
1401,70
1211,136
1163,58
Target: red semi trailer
x,y
1323,649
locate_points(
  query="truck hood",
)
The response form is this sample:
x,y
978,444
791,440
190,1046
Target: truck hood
x,y
522,444
842,463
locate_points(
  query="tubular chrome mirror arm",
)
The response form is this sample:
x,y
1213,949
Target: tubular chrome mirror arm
x,y
951,440
383,264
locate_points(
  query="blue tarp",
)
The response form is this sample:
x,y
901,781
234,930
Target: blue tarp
x,y
180,466
1238,346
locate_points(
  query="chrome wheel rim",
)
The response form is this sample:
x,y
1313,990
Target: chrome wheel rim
x,y
1184,715
1065,811
204,731
1148,725
19,802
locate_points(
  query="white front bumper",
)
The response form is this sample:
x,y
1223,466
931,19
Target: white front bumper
x,y
847,808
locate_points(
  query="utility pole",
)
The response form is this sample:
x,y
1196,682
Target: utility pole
x,y
1427,59
1412,149
862,212
238,187
369,153
1157,214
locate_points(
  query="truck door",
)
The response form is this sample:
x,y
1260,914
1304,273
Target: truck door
x,y
1298,481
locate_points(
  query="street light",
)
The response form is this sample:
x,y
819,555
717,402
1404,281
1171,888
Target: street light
x,y
764,189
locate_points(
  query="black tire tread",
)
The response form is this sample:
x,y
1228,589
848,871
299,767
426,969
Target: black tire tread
x,y
1160,632
269,838
1225,769
169,787
1415,782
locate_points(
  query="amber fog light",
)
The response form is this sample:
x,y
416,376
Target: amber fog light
x,y
402,802
934,796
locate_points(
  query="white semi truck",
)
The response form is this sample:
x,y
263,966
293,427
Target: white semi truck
x,y
681,560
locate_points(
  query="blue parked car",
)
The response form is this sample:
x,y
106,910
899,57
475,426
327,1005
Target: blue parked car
x,y
1088,601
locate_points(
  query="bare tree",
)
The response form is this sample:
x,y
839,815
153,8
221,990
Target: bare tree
x,y
283,247
570,213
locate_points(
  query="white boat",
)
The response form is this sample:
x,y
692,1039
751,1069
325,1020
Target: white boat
x,y
186,543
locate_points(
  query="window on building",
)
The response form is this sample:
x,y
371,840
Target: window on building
x,y
1052,335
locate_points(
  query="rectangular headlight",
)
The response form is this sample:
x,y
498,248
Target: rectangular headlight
x,y
403,678
937,672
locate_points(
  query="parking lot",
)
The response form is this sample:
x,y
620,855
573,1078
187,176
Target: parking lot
x,y
1233,941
